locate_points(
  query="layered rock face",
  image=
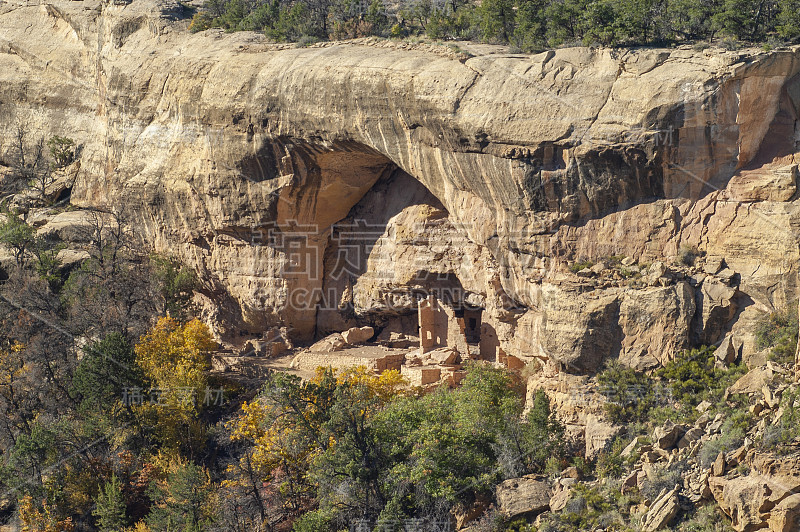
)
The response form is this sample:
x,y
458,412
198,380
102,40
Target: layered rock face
x,y
331,186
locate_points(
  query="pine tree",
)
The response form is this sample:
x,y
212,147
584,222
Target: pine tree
x,y
496,20
180,502
107,369
110,510
788,19
529,31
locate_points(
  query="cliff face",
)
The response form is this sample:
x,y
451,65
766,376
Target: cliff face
x,y
317,188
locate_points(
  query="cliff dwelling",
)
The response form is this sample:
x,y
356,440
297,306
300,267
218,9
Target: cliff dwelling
x,y
440,325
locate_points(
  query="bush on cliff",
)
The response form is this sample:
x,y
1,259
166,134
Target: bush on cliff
x,y
778,333
693,376
630,395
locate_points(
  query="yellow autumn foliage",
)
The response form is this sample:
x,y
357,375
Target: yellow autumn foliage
x,y
43,519
12,367
140,526
383,386
175,358
274,434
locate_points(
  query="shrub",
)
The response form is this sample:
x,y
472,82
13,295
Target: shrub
x,y
661,478
177,283
492,521
687,254
789,426
707,518
778,331
18,237
364,433
731,437
110,506
201,22
305,41
677,413
591,508
580,265
62,149
181,502
314,521
630,395
108,367
693,376
612,464
526,25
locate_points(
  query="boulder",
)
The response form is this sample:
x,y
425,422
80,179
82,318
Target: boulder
x,y
771,399
567,483
272,346
728,350
753,381
715,424
690,436
329,344
599,268
629,482
785,517
657,269
667,436
662,511
573,398
575,329
70,258
727,276
526,496
741,499
698,487
655,323
444,356
599,435
764,184
421,375
465,514
357,335
768,497
630,448
560,500
703,406
712,265
253,348
397,340
77,226
716,306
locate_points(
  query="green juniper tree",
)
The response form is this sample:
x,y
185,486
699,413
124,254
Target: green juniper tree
x,y
110,507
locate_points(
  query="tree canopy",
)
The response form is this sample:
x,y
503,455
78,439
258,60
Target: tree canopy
x,y
529,25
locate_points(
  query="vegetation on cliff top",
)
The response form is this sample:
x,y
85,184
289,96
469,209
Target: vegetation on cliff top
x,y
528,25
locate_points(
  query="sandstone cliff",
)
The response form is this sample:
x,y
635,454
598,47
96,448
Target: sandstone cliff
x,y
484,173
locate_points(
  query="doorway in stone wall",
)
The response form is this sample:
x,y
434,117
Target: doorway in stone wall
x,y
472,325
